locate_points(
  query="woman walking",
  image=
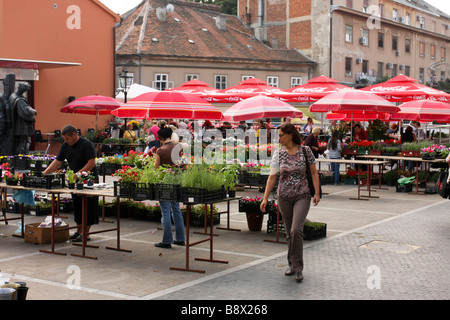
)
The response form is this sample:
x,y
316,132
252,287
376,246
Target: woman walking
x,y
294,196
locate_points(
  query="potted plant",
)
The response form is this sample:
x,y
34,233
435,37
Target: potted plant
x,y
231,173
12,179
71,178
391,176
251,207
314,230
350,177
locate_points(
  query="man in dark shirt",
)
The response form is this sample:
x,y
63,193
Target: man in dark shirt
x,y
80,154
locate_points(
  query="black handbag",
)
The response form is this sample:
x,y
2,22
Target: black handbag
x,y
309,177
443,187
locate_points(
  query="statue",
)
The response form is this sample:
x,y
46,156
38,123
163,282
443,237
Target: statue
x,y
23,118
5,115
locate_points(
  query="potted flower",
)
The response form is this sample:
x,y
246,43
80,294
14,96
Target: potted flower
x,y
71,178
251,207
12,179
428,153
351,176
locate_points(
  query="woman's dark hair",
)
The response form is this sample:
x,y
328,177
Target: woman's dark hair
x,y
289,128
164,133
334,139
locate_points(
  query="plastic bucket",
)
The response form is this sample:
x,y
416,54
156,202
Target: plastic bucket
x,y
6,293
12,286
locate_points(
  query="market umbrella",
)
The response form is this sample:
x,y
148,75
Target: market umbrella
x,y
134,91
313,90
423,110
260,107
168,105
93,105
194,87
403,88
353,100
246,89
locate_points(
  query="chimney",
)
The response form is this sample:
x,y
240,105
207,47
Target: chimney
x,y
161,13
221,22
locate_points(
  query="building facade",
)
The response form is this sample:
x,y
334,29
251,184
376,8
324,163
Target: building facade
x,y
164,46
64,49
357,42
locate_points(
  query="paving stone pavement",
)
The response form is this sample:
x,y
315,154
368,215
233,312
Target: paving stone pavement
x,y
405,257
391,248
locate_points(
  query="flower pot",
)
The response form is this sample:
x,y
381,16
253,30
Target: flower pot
x,y
6,293
79,186
71,185
254,220
90,183
11,182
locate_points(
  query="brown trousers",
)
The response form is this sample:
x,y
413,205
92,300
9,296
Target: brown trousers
x,y
294,212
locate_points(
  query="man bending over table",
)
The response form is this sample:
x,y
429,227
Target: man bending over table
x,y
80,154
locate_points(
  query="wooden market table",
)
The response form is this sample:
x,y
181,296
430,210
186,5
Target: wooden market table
x,y
210,234
369,163
417,160
84,193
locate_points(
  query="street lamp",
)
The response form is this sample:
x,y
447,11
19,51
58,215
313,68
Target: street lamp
x,y
125,81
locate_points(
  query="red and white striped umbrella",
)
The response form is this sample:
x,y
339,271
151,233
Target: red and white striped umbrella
x,y
93,105
261,107
168,105
403,88
353,100
196,87
423,110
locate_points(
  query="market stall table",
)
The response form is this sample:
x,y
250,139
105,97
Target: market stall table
x,y
417,160
369,163
211,235
84,193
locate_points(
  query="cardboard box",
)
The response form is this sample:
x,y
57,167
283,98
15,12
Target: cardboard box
x,y
34,234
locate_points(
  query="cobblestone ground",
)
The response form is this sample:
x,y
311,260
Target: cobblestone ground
x,y
405,257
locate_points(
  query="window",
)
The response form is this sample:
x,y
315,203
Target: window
x,y
246,77
407,46
442,53
395,15
442,76
365,66
273,81
407,71
349,4
161,81
381,10
408,18
190,77
380,70
422,23
220,82
365,37
432,51
394,42
348,34
380,40
296,81
422,49
421,74
394,70
348,66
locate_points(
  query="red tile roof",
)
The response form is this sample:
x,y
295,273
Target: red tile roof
x,y
195,22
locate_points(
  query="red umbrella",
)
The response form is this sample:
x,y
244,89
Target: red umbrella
x,y
168,105
423,110
261,107
246,89
312,91
194,87
358,116
93,105
353,100
403,88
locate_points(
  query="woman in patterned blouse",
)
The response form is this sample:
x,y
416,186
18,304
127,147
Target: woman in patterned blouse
x,y
294,197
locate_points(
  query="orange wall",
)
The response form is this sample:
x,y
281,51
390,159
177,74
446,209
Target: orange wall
x,y
35,30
